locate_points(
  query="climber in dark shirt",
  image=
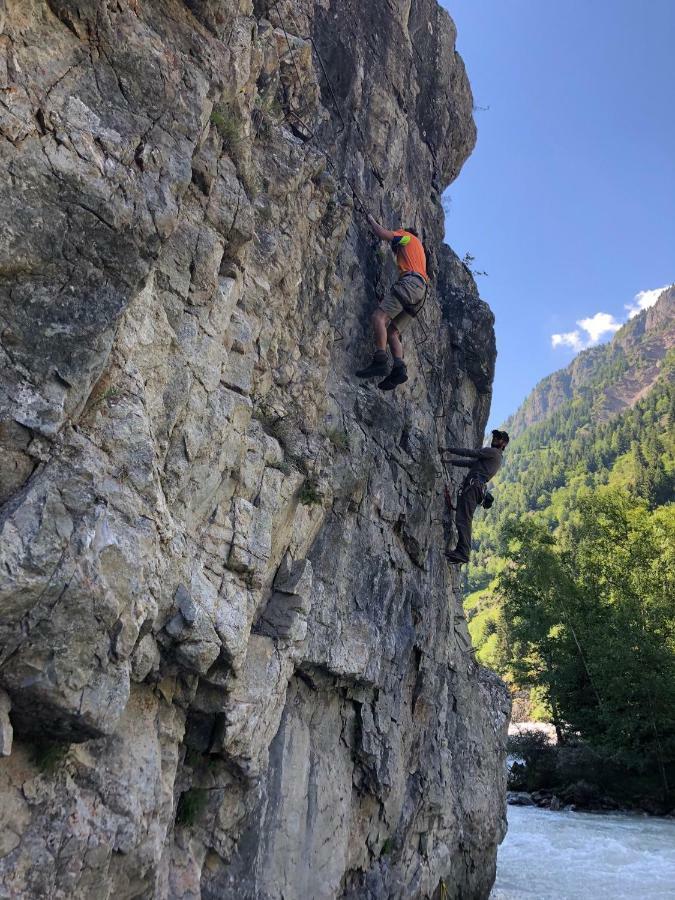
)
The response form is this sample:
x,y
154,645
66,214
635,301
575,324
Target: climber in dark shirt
x,y
483,465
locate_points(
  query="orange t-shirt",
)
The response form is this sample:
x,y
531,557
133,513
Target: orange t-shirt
x,y
411,256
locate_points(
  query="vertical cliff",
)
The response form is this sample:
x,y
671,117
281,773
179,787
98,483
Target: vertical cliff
x,y
234,659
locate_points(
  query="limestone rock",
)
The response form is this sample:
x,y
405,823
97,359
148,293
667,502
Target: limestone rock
x,y
236,660
145,658
6,730
285,615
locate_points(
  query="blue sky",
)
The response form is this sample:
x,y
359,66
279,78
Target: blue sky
x,y
568,201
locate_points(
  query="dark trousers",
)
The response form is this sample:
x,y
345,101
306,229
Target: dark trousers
x,y
470,496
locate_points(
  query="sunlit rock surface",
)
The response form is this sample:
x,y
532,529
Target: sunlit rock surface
x,y
233,662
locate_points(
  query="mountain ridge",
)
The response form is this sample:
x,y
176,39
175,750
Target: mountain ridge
x,y
651,332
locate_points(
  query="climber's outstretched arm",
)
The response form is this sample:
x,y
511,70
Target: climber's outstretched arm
x,y
463,463
465,451
381,232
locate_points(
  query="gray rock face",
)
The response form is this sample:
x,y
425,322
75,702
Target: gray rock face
x,y
232,657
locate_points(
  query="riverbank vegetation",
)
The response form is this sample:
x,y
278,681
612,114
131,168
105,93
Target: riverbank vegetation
x,y
587,620
574,595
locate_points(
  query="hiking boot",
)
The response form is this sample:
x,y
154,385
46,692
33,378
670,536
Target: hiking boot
x,y
398,375
377,368
454,558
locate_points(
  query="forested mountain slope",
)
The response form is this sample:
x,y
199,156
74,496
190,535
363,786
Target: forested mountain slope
x,y
606,418
573,580
615,374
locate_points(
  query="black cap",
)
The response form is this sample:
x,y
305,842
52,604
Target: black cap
x,y
500,435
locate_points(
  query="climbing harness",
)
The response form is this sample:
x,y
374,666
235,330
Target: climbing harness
x,y
398,290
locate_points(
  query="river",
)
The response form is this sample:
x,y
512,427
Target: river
x,y
569,856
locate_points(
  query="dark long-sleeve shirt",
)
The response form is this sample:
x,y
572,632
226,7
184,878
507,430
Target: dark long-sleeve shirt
x,y
484,462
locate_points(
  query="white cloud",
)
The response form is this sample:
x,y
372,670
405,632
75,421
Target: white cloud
x,y
596,327
569,339
643,300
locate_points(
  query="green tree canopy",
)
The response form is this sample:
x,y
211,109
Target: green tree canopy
x,y
588,617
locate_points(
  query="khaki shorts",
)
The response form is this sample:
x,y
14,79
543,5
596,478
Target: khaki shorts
x,y
413,289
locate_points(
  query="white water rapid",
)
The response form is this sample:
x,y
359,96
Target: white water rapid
x,y
568,856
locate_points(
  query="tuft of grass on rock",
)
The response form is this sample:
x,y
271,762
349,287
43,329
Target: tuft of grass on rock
x,y
227,127
387,847
100,398
110,393
338,438
270,421
265,213
252,183
47,756
190,806
284,467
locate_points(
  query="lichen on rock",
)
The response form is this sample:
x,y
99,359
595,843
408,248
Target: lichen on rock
x,y
233,662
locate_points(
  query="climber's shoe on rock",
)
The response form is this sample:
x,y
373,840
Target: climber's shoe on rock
x,y
454,558
377,368
398,375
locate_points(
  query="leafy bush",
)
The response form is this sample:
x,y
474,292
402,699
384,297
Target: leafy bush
x,y
535,765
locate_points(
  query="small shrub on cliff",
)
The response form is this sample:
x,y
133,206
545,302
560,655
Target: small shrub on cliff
x,y
109,394
338,438
102,396
252,183
227,127
309,494
467,261
387,847
190,806
48,756
265,213
283,466
272,423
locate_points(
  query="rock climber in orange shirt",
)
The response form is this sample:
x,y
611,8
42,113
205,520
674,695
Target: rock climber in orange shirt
x,y
397,311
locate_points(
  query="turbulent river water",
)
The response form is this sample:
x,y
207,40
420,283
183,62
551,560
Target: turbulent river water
x,y
569,856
